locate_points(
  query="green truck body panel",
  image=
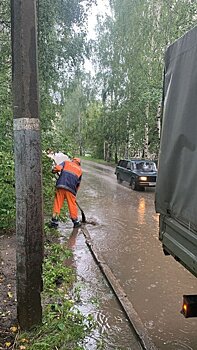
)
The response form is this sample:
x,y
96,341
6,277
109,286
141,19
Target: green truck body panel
x,y
176,188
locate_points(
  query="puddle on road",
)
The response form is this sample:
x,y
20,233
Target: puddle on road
x,y
96,298
126,234
127,237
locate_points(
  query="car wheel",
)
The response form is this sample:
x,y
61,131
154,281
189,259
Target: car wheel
x,y
134,185
119,179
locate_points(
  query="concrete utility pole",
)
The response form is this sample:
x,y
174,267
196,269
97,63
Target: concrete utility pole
x,y
29,205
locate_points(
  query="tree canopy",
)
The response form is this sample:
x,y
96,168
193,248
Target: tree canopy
x,y
110,114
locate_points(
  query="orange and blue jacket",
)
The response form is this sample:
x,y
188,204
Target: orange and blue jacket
x,y
70,176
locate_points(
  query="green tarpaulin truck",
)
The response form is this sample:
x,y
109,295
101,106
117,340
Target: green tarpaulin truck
x,y
176,188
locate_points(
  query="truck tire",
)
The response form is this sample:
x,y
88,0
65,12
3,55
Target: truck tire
x,y
119,180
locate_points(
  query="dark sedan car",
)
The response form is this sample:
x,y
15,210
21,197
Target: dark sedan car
x,y
139,173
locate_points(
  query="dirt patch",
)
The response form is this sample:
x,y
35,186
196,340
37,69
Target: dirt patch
x,y
8,304
8,313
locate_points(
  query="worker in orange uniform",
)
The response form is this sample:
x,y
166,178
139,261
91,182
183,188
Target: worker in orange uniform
x,y
67,186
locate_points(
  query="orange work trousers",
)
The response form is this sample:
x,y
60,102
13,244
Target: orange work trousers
x,y
60,196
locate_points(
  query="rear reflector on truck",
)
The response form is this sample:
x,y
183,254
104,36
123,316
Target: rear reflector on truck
x,y
189,307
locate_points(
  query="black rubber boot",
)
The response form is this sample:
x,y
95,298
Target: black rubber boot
x,y
76,223
54,223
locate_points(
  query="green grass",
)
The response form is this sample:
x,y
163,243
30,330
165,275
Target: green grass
x,y
63,326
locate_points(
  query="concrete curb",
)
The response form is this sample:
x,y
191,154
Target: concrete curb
x,y
126,305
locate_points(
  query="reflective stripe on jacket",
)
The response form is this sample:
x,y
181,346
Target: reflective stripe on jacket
x,y
70,176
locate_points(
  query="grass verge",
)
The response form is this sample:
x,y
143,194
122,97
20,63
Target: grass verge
x,y
63,327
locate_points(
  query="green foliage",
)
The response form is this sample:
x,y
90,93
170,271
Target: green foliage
x,y
7,192
7,197
48,184
63,325
61,49
111,115
129,49
55,269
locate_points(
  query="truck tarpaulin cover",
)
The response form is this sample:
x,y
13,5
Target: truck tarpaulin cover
x,y
176,189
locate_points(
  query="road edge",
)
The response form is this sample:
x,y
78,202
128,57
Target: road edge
x,y
121,296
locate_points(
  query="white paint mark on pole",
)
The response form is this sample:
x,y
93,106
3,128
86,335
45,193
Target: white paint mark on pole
x,y
26,124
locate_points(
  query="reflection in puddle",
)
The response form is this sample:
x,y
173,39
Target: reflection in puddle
x,y
141,210
96,298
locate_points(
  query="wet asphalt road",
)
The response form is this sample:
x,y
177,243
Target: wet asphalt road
x,y
126,234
